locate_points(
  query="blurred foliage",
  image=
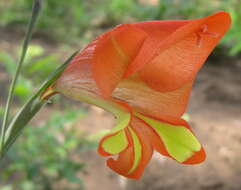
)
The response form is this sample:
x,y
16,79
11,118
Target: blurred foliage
x,y
67,20
45,156
36,68
233,38
185,9
1,113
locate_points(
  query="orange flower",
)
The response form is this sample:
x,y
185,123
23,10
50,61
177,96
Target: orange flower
x,y
143,74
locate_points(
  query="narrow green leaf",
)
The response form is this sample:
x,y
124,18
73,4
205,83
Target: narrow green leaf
x,y
30,109
35,13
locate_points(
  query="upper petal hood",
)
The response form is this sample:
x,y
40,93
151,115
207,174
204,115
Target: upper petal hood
x,y
166,54
163,82
169,63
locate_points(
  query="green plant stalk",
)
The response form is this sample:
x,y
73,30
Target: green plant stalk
x,y
35,13
28,111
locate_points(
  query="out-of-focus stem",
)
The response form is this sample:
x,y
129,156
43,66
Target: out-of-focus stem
x,y
35,13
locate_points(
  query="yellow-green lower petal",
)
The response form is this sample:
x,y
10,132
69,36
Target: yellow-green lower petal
x,y
137,150
178,140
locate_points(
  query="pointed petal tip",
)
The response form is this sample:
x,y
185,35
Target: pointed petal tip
x,y
226,17
224,13
197,158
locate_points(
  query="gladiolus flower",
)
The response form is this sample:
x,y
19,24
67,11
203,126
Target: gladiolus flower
x,y
143,74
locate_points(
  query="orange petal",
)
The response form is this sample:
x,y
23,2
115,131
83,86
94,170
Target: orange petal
x,y
160,29
125,159
150,102
180,60
196,158
113,53
152,136
147,149
132,160
143,137
158,33
78,74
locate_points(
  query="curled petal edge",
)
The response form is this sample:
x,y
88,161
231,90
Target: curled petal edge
x,y
134,145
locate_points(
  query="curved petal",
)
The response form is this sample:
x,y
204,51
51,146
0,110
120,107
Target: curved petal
x,y
108,145
125,158
113,53
134,144
146,153
188,46
132,158
160,29
158,36
179,62
179,141
79,70
198,157
145,100
152,137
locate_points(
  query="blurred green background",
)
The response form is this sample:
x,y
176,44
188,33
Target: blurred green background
x,y
44,158
74,20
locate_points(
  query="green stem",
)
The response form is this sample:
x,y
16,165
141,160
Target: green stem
x,y
35,12
30,109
